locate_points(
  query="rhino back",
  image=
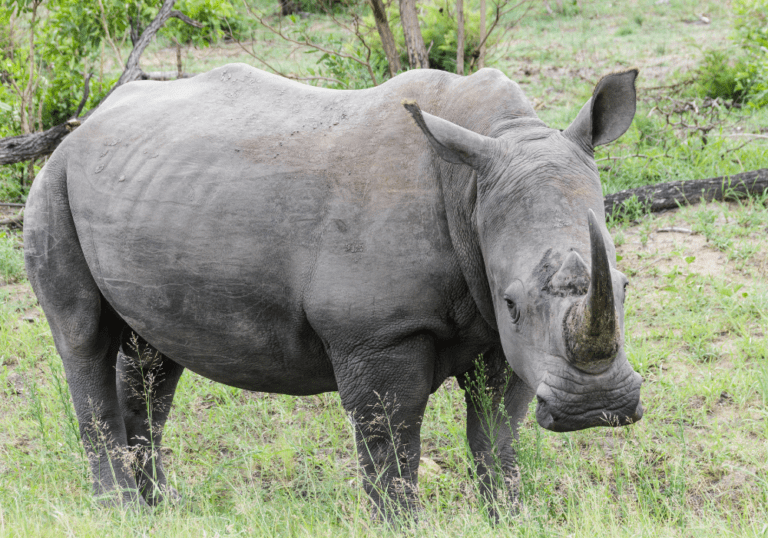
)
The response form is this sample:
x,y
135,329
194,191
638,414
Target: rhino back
x,y
241,219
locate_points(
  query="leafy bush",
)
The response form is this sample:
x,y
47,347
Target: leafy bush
x,y
718,75
752,34
740,73
218,17
11,178
348,74
439,28
69,38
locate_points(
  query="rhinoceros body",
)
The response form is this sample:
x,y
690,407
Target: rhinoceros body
x,y
283,238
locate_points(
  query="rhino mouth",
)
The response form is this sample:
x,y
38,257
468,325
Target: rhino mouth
x,y
571,402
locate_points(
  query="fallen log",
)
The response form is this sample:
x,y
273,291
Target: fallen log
x,y
674,194
15,221
15,149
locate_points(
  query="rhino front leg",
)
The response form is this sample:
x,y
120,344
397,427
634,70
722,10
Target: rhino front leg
x,y
146,384
385,393
497,401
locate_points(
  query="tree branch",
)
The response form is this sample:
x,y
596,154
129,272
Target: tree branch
x,y
501,8
132,70
183,18
108,36
304,41
16,220
15,149
277,71
86,93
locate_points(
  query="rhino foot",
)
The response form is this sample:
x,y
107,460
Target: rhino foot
x,y
156,490
126,499
161,494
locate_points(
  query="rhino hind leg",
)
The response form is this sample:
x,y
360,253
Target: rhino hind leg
x,y
146,384
85,329
497,401
89,364
386,403
87,336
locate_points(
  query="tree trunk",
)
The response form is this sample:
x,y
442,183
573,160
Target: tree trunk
x,y
417,52
179,67
387,39
288,7
460,37
132,70
676,193
481,55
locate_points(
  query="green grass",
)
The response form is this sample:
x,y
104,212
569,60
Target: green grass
x,y
251,464
11,258
273,465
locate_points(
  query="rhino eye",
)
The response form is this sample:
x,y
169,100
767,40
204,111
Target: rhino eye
x,y
514,312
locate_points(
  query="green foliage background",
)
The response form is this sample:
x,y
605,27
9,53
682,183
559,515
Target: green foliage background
x,y
752,34
740,73
69,39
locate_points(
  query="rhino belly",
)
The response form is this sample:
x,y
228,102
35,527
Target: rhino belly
x,y
208,265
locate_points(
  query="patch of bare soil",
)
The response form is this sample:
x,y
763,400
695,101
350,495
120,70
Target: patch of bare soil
x,y
670,246
659,253
669,242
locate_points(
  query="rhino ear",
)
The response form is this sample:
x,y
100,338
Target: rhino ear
x,y
452,142
608,114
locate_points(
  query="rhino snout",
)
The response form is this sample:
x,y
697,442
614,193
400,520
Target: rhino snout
x,y
561,410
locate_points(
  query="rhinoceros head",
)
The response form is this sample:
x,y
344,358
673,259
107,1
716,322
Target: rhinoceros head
x,y
556,297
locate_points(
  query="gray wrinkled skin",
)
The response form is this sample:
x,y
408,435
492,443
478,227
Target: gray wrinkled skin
x,y
283,238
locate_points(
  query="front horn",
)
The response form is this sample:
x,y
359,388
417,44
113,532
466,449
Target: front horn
x,y
591,329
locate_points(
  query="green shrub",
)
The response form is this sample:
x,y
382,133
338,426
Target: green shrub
x,y
351,75
218,17
439,28
752,35
69,38
739,74
718,75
